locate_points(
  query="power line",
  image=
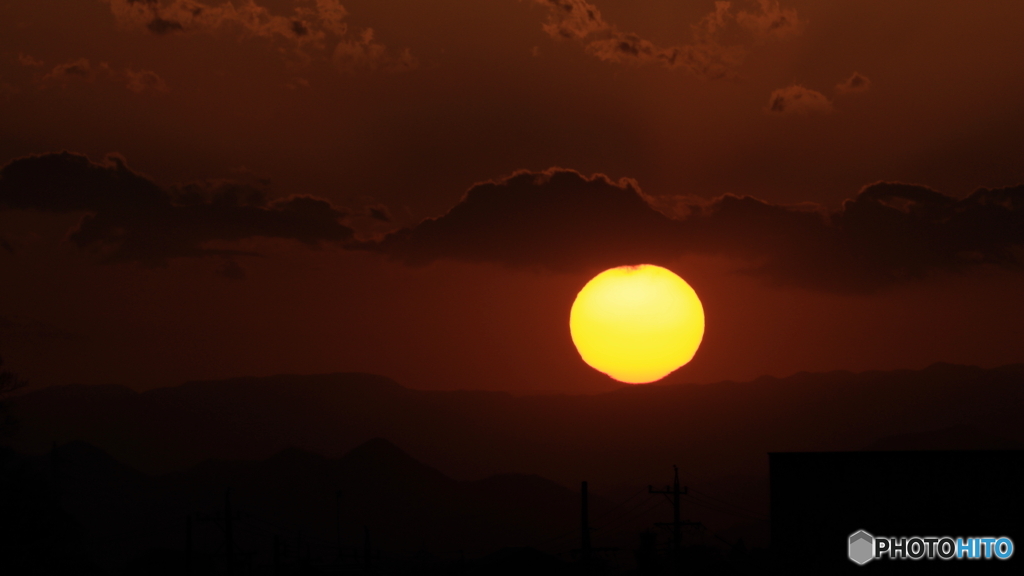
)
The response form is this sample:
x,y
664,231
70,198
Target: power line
x,y
620,504
726,508
737,507
628,513
617,528
602,516
677,523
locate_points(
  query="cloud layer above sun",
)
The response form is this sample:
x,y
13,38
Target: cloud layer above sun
x,y
557,220
128,217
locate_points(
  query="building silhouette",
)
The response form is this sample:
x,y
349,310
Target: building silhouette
x,y
820,499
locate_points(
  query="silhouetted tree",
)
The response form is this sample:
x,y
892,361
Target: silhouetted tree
x,y
9,382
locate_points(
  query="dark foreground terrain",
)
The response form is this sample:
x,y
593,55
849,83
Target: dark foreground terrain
x,y
293,473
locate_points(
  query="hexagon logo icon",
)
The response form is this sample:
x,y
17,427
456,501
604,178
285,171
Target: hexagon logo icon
x,y
861,547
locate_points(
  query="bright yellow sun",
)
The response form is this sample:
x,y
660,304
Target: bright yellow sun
x,y
637,324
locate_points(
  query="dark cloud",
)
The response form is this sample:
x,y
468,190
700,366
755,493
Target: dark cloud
x,y
361,52
28,60
144,81
20,328
770,20
131,218
573,19
309,33
855,83
556,219
160,26
560,220
231,270
380,213
906,230
708,54
80,68
798,100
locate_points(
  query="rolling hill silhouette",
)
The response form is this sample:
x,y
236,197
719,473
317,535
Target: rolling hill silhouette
x,y
313,503
620,441
297,450
959,437
628,436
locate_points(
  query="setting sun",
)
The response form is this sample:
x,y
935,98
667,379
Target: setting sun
x,y
637,324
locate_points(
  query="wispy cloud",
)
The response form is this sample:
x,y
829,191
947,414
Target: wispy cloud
x,y
798,100
854,84
83,70
361,52
140,81
28,60
80,68
314,29
708,54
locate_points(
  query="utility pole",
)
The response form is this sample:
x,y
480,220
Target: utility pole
x,y
188,544
337,512
229,531
54,477
367,550
584,524
229,545
674,494
277,555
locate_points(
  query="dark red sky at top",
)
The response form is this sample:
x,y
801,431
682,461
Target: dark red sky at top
x,y
185,253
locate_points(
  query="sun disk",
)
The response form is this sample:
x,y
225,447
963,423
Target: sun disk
x,y
637,324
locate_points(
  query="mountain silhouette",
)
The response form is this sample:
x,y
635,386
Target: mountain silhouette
x,y
321,507
621,441
960,437
629,435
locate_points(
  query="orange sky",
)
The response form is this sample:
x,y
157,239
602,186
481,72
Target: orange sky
x,y
788,102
